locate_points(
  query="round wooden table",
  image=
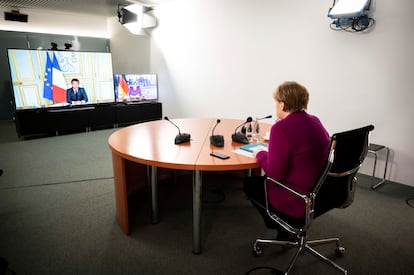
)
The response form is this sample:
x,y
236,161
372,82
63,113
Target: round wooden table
x,y
139,149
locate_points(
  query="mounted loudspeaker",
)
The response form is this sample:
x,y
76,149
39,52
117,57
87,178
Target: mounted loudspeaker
x,y
15,16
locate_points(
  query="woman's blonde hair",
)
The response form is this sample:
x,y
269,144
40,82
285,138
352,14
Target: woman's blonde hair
x,y
294,96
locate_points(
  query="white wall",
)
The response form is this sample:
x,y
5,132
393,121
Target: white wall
x,y
54,22
130,53
224,58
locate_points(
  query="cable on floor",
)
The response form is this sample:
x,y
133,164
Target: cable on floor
x,y
55,183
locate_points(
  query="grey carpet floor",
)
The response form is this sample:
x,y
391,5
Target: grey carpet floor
x,y
57,216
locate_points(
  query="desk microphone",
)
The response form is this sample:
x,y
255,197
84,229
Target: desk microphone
x,y
257,119
239,136
216,140
269,116
181,137
250,128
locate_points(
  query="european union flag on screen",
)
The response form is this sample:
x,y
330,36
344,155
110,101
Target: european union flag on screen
x,y
116,85
47,85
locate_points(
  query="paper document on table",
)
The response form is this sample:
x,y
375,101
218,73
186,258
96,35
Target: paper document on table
x,y
243,152
254,147
247,150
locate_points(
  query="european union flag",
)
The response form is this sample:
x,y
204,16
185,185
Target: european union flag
x,y
116,85
47,85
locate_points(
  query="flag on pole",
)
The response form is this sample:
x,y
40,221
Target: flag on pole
x,y
58,82
47,85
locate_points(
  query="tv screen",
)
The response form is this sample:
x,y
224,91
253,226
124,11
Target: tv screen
x,y
45,78
135,87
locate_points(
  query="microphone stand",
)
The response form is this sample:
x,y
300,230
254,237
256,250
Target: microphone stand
x,y
181,137
256,128
239,136
216,140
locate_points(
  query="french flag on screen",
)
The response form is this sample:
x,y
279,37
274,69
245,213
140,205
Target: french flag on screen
x,y
58,82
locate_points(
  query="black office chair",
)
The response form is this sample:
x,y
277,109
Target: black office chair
x,y
334,189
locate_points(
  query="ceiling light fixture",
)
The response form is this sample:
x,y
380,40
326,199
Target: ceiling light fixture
x,y
135,18
347,9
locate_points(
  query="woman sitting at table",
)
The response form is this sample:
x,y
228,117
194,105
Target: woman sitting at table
x,y
297,151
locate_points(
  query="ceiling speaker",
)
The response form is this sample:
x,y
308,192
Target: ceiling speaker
x,y
15,16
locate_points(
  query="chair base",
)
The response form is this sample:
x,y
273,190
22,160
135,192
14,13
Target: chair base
x,y
302,245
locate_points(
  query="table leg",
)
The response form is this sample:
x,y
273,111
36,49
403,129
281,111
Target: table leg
x,y
197,188
154,195
121,198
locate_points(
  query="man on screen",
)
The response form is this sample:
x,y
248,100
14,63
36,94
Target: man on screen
x,y
76,95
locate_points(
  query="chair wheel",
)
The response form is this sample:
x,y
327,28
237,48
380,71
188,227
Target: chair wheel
x,y
339,251
257,251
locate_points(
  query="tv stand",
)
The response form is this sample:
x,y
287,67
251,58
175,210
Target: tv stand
x,y
53,121
71,109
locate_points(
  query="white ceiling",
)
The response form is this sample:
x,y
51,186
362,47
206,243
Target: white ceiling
x,y
93,7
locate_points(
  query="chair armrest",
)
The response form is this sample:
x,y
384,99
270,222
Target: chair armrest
x,y
304,197
308,201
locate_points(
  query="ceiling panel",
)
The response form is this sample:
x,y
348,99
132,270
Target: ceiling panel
x,y
93,7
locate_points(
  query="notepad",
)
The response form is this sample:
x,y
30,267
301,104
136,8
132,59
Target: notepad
x,y
250,147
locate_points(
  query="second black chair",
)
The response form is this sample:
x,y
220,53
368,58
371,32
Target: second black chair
x,y
335,188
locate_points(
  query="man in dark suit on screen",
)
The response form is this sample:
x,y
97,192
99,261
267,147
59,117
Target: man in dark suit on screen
x,y
76,95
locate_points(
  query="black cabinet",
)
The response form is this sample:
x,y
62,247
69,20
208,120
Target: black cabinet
x,y
31,122
62,120
127,114
102,117
84,118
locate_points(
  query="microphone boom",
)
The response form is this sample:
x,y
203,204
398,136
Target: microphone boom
x,y
239,136
216,140
257,126
181,137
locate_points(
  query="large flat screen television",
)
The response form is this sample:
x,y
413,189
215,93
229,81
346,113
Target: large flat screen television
x,y
42,78
135,87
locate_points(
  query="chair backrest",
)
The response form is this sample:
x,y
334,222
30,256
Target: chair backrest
x,y
336,186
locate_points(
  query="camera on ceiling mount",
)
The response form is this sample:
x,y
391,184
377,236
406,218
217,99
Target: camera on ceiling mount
x,y
351,16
